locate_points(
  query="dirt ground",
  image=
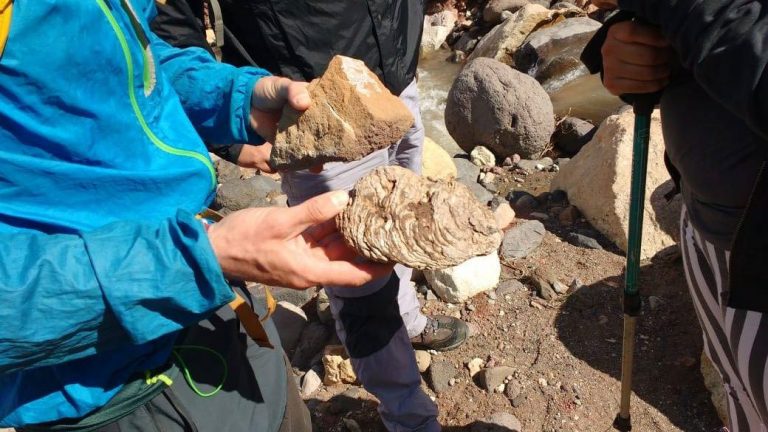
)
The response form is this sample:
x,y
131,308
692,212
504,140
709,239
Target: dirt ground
x,y
566,352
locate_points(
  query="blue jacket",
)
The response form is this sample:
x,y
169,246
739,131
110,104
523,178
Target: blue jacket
x,y
102,169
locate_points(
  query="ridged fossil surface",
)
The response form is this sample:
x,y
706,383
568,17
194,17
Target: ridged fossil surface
x,y
395,215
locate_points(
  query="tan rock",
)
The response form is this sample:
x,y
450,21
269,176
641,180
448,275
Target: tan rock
x,y
436,163
351,116
475,366
714,383
423,360
598,179
502,41
395,215
482,157
338,367
504,215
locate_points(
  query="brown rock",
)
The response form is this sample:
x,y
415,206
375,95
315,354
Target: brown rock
x,y
351,116
504,215
395,215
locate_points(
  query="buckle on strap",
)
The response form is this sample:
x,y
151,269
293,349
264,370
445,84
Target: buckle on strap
x,y
6,12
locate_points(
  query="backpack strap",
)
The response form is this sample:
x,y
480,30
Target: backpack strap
x,y
6,11
213,25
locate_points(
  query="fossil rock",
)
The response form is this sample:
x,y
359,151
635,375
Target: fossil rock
x,y
351,116
398,216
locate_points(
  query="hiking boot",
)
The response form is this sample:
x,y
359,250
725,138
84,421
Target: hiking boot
x,y
442,333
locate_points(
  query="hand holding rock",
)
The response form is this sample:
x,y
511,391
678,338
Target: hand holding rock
x,y
297,247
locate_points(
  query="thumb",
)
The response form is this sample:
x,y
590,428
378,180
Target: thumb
x,y
318,210
272,93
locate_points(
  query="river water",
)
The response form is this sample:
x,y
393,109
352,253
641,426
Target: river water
x,y
584,98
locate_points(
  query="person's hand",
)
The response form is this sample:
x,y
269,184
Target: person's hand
x,y
606,4
297,247
270,95
252,156
636,59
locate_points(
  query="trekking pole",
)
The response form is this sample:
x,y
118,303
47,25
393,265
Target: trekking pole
x,y
642,105
643,108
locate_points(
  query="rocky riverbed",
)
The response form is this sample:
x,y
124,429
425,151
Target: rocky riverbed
x,y
510,113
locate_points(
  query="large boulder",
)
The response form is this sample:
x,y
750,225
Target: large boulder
x,y
466,280
552,54
352,115
436,162
437,27
598,179
502,41
493,105
494,8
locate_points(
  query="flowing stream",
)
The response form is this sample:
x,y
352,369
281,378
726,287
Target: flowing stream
x,y
584,98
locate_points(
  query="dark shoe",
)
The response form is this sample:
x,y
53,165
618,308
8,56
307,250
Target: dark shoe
x,y
442,333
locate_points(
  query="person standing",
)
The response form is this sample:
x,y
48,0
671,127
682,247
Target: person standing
x,y
116,311
715,122
379,322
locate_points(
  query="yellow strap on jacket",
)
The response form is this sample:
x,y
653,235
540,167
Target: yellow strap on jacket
x,y
6,10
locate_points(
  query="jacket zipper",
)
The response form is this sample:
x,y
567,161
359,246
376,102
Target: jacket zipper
x,y
135,104
749,203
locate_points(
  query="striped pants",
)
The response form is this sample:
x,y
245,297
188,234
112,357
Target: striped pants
x,y
735,340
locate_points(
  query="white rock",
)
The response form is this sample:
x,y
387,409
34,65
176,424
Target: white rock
x,y
459,283
309,383
598,179
481,156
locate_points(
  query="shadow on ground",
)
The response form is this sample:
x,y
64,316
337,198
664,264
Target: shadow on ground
x,y
666,373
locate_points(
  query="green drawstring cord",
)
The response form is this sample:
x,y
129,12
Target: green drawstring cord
x,y
187,375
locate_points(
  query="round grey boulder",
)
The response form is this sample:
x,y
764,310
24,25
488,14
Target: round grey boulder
x,y
493,105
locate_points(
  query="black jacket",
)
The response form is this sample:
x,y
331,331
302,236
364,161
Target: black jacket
x,y
298,38
721,44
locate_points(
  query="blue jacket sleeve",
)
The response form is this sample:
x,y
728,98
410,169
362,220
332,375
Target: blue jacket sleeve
x,y
723,44
215,96
67,296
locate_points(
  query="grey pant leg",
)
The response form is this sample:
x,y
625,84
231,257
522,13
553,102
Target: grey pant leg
x,y
369,324
407,152
302,185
